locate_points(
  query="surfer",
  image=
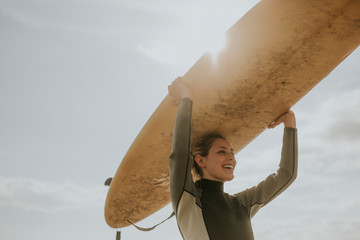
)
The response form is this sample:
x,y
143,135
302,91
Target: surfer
x,y
203,210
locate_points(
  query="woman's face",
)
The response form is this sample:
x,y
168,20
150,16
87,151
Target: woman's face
x,y
219,164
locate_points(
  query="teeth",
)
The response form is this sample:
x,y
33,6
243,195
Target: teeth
x,y
228,166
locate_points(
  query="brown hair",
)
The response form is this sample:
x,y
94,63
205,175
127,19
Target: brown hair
x,y
202,147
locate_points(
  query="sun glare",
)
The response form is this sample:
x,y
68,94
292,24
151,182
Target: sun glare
x,y
216,44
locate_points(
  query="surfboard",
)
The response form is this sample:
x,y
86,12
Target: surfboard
x,y
275,54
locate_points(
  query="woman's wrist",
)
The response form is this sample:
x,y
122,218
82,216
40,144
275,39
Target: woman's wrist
x,y
187,95
290,124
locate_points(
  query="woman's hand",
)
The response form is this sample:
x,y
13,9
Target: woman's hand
x,y
179,90
287,118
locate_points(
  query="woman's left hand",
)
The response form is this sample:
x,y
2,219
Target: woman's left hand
x,y
287,118
178,90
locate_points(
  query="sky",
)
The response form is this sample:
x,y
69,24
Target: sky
x,y
79,79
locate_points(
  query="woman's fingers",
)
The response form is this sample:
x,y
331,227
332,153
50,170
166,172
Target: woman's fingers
x,y
175,87
175,102
287,118
290,120
178,89
275,123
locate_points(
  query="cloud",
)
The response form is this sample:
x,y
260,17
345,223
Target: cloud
x,y
117,18
348,130
347,124
318,207
41,196
329,128
161,30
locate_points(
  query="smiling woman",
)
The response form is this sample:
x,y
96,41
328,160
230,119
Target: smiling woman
x,y
201,149
203,210
218,163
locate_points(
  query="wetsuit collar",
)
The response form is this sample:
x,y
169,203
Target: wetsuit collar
x,y
210,185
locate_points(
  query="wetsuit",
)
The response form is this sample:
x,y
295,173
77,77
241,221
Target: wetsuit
x,y
203,211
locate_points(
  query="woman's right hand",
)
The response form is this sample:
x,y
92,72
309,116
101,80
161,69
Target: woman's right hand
x,y
287,118
179,90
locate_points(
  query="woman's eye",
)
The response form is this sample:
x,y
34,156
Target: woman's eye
x,y
222,152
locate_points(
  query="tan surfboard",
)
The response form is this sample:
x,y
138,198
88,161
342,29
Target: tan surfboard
x,y
274,56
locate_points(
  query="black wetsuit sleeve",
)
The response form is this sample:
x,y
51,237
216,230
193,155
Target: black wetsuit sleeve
x,y
258,196
180,163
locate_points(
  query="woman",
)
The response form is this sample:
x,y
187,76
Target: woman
x,y
203,210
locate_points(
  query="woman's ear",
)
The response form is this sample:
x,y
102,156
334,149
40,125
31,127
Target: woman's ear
x,y
201,161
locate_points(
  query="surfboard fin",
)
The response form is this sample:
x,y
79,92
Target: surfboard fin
x,y
108,181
